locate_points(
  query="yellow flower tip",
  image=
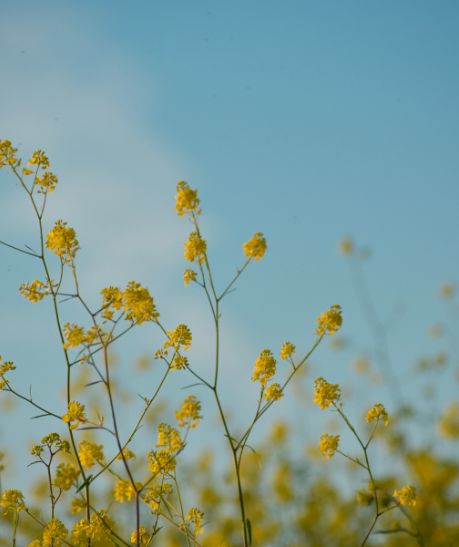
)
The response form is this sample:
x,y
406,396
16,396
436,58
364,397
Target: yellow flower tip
x,y
406,496
8,154
255,247
34,291
143,536
195,516
195,248
54,533
328,445
325,394
66,475
377,413
62,241
287,350
189,276
264,367
273,392
138,304
186,199
330,321
90,453
12,501
189,413
345,246
123,491
75,414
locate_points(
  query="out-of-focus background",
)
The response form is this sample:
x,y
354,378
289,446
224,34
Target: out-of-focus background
x,y
309,121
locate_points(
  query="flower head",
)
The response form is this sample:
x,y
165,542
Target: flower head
x,y
377,412
66,475
287,350
189,413
264,367
255,247
34,291
325,393
75,414
195,516
274,392
189,275
195,248
406,496
12,501
328,444
8,154
54,533
90,453
62,241
143,536
330,321
186,199
138,304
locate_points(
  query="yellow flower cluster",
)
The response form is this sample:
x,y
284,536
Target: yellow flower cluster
x,y
179,338
448,425
12,501
189,413
135,300
255,247
189,275
62,241
377,412
34,291
287,350
328,444
155,493
195,516
186,199
123,491
161,461
325,393
195,247
7,154
273,392
406,496
330,321
127,453
53,442
76,335
264,367
74,415
90,453
95,530
143,536
66,475
169,438
54,534
5,366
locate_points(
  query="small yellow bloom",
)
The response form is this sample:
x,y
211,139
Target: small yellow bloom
x,y
144,536
62,241
169,438
161,461
7,154
54,534
138,304
66,475
34,291
255,247
189,413
287,350
273,392
189,276
123,491
330,321
90,453
406,496
196,517
12,501
75,413
39,158
186,199
325,393
328,445
264,367
377,412
179,338
195,247
179,362
78,505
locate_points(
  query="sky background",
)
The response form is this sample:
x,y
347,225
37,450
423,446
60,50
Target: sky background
x,y
308,121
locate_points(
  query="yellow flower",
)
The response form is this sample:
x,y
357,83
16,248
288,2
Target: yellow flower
x,y
196,517
273,392
169,438
255,247
161,461
325,393
195,248
328,444
90,453
186,199
346,246
5,366
189,413
78,505
330,321
144,536
12,501
377,412
179,338
264,367
127,453
7,154
189,276
54,533
138,304
448,424
123,491
34,291
287,350
179,362
66,475
62,241
75,413
48,181
39,158
406,496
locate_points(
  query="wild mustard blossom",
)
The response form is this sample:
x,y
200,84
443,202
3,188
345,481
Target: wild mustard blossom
x,y
186,199
138,304
54,534
169,438
328,445
34,291
74,415
376,413
53,443
123,491
287,350
5,366
39,159
189,275
255,247
264,367
330,321
406,496
62,241
189,413
179,338
95,530
325,393
161,462
195,516
273,392
112,297
66,475
74,334
143,536
7,154
12,501
127,453
195,248
77,505
90,453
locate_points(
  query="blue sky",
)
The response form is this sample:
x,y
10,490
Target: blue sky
x,y
305,120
